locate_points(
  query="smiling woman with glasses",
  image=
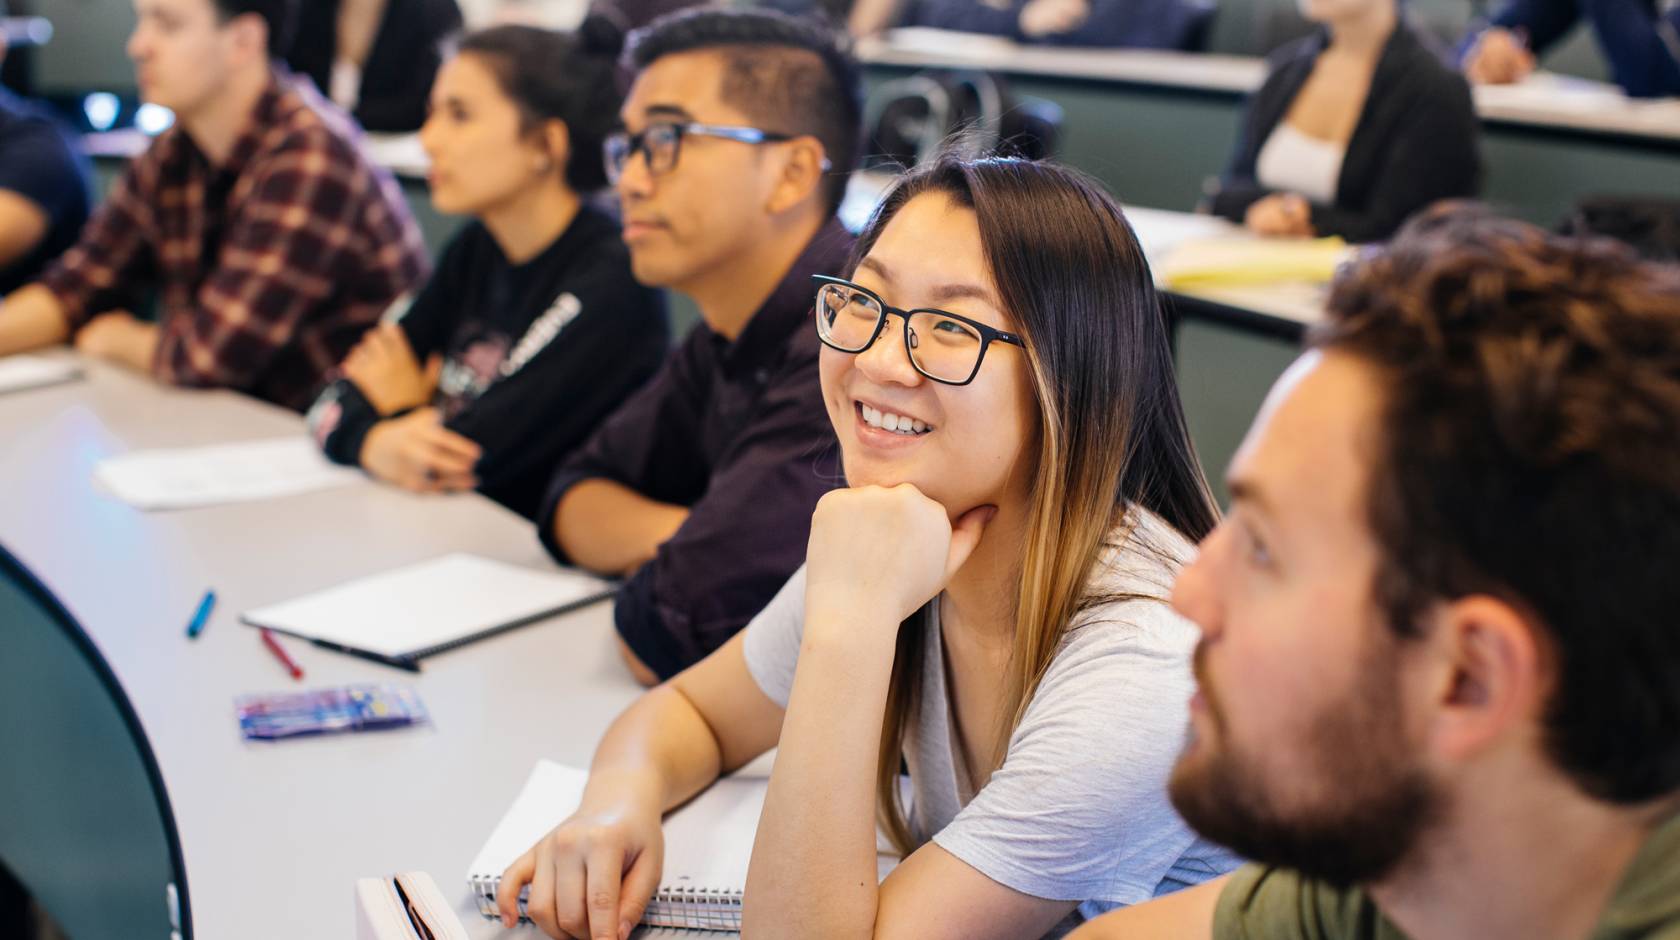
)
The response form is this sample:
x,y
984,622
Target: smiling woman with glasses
x,y
984,601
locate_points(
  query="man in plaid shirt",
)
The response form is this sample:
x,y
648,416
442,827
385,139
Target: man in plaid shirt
x,y
271,240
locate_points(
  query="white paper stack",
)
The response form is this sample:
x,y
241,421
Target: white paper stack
x,y
224,473
18,373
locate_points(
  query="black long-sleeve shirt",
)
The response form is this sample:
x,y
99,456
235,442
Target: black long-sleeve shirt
x,y
1415,143
43,163
404,58
535,355
737,432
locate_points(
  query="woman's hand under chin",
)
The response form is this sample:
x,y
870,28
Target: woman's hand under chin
x,y
877,553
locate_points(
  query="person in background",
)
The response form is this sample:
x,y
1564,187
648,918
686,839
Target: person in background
x,y
1356,127
271,240
532,329
45,187
740,132
1640,42
1142,24
375,58
1439,674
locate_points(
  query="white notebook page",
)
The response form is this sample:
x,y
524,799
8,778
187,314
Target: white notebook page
x,y
399,613
708,841
223,473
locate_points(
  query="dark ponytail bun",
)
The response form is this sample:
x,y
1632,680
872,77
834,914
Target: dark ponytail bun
x,y
599,35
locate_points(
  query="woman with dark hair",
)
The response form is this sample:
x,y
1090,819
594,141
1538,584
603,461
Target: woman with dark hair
x,y
1356,127
986,601
532,329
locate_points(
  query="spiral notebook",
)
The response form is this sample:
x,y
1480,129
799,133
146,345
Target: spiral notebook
x,y
401,616
708,843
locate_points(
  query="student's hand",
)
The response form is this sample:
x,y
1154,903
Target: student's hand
x,y
1280,215
416,452
384,368
591,877
880,553
1048,17
1498,57
117,336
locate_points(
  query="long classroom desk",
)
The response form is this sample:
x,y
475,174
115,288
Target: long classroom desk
x,y
1155,125
275,835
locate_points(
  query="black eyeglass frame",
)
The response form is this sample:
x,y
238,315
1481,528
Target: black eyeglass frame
x,y
987,333
637,143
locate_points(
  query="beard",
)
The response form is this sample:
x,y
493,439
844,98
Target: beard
x,y
1359,801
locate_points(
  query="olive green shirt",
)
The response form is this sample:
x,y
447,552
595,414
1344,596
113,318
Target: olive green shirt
x,y
1278,904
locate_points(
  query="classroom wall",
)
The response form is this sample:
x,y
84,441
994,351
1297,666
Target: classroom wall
x,y
87,49
1223,375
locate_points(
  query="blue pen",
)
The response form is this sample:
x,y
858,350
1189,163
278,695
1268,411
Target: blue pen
x,y
202,615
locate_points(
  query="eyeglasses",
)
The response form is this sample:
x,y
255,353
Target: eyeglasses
x,y
661,143
945,347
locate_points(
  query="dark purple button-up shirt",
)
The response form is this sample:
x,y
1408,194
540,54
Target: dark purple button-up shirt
x,y
736,432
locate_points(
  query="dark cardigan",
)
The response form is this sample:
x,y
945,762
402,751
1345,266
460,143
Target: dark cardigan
x,y
401,63
1415,143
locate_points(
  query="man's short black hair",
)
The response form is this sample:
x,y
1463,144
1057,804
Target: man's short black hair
x,y
279,15
790,75
1529,449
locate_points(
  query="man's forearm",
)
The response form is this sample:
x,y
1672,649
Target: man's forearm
x,y
23,224
139,344
31,317
608,527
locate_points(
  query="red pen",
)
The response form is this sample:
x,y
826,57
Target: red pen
x,y
280,653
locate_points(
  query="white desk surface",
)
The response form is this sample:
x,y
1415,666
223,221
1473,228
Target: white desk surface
x,y
1545,100
1159,231
275,835
399,153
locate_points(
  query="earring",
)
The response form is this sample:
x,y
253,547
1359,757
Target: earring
x,y
544,164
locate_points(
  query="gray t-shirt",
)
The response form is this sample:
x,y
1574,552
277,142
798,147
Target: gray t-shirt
x,y
1079,809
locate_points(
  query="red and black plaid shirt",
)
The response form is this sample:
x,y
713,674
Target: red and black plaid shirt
x,y
269,267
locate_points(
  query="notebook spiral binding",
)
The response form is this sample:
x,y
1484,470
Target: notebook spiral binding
x,y
687,907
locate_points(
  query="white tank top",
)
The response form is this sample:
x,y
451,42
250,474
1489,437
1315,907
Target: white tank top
x,y
1292,162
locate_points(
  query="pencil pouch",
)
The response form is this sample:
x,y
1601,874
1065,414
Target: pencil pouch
x,y
273,716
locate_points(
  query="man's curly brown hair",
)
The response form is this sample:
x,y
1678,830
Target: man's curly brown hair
x,y
1529,449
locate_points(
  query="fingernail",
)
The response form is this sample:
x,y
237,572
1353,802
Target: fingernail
x,y
624,930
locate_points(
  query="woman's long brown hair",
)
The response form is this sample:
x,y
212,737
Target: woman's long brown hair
x,y
1112,435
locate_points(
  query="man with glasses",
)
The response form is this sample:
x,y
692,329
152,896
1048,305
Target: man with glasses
x,y
739,133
